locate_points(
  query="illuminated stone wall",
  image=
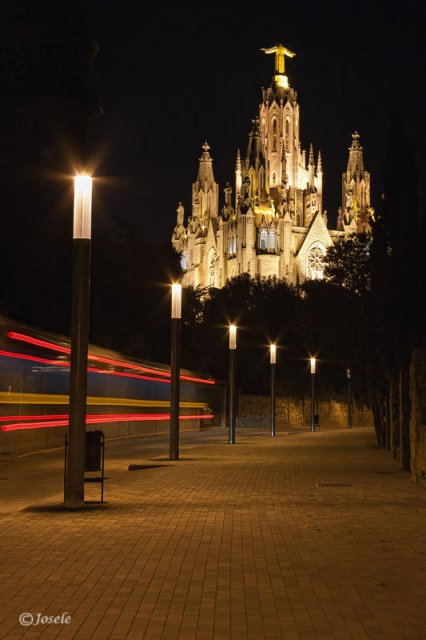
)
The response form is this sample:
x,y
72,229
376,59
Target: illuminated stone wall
x,y
418,416
296,412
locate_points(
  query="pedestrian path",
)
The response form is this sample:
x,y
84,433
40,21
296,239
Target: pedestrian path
x,y
304,536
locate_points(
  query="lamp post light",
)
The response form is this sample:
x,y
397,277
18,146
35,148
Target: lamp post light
x,y
74,486
313,371
232,381
273,361
348,375
176,315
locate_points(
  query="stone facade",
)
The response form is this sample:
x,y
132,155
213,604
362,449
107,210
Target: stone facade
x,y
273,223
294,412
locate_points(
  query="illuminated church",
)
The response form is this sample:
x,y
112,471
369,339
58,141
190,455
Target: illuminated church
x,y
272,224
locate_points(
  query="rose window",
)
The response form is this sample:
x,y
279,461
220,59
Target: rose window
x,y
316,263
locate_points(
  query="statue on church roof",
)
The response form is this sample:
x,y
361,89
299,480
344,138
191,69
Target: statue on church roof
x,y
180,214
280,53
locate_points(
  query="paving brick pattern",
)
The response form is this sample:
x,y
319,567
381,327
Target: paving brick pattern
x,y
302,537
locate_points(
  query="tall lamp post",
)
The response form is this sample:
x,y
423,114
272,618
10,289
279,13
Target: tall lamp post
x,y
176,314
232,381
313,370
74,486
273,361
348,375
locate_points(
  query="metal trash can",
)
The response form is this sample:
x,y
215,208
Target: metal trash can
x,y
94,444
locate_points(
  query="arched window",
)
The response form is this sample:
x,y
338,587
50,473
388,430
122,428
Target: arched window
x,y
272,241
274,178
263,243
274,134
287,133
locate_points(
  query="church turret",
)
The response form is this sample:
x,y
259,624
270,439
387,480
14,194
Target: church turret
x,y
205,201
356,210
255,164
311,168
319,180
238,178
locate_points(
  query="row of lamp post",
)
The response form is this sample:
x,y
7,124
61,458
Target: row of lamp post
x,y
74,481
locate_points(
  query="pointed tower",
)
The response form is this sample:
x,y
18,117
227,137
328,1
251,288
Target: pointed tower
x,y
319,182
355,212
205,191
255,164
238,178
311,168
279,115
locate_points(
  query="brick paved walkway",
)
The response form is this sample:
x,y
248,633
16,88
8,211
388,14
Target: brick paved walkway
x,y
305,536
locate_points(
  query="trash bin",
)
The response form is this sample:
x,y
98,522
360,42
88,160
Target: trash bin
x,y
316,420
206,422
94,443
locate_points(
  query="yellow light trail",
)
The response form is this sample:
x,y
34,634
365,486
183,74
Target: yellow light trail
x,y
11,397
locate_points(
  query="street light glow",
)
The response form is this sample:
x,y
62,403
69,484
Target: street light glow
x,y
313,365
273,352
82,207
176,300
232,336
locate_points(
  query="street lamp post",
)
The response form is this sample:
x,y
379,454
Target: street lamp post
x,y
176,315
74,486
273,361
348,374
313,370
232,381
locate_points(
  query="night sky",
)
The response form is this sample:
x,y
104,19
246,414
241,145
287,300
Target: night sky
x,y
168,80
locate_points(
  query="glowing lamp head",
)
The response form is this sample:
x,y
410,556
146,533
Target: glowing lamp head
x,y
273,353
82,228
176,300
348,373
232,336
313,365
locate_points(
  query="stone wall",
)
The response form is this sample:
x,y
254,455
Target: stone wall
x,y
296,412
418,416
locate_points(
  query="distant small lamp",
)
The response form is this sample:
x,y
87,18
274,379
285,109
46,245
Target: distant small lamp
x,y
176,315
273,362
232,381
313,414
348,375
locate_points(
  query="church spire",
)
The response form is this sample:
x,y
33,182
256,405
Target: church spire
x,y
205,171
238,177
255,156
355,160
356,208
311,168
205,189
